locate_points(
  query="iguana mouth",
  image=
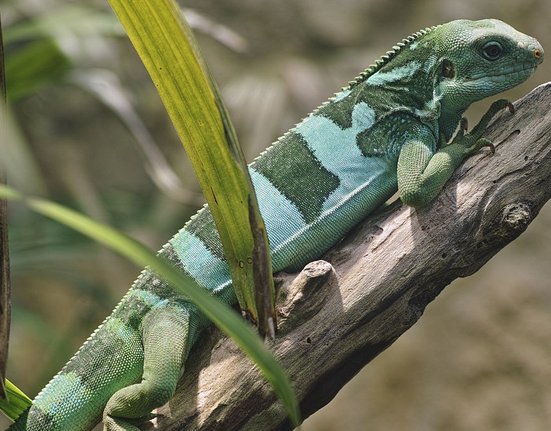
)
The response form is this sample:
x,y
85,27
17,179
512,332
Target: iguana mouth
x,y
523,68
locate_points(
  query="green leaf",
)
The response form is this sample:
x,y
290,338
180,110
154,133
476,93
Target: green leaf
x,y
166,47
15,403
39,58
37,64
222,316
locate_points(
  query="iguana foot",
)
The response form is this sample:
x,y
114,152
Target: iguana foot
x,y
473,141
166,332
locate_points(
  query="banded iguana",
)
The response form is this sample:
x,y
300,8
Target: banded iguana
x,y
394,128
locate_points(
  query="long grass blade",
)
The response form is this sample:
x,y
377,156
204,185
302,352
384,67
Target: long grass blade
x,y
15,403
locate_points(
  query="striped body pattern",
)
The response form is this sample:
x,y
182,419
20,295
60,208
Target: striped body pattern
x,y
313,185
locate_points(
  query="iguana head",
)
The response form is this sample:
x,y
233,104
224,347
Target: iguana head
x,y
478,59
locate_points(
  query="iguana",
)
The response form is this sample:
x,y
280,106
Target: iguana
x,y
396,127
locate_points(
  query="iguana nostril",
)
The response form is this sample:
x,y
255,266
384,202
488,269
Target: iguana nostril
x,y
538,53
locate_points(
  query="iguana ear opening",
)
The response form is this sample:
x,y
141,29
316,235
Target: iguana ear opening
x,y
448,69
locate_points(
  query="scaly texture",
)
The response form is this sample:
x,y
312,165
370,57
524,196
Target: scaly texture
x,y
391,129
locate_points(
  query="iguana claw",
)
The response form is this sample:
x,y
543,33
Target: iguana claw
x,y
474,141
481,143
495,107
487,143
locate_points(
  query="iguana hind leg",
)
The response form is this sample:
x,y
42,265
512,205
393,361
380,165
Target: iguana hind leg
x,y
165,341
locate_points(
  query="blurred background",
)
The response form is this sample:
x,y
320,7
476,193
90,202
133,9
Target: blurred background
x,y
88,130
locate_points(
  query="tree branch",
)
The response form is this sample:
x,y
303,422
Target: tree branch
x,y
385,273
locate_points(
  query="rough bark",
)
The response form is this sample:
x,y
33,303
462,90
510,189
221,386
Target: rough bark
x,y
335,319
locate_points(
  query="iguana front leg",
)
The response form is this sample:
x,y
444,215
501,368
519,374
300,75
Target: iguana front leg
x,y
422,173
474,141
165,332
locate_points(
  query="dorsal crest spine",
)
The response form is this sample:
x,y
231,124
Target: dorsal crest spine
x,y
389,55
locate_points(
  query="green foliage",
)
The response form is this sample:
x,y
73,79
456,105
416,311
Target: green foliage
x,y
62,21
16,401
39,63
39,60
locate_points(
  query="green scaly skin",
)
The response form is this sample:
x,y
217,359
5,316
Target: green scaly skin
x,y
391,129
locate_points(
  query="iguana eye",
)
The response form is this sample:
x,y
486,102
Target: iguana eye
x,y
492,51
